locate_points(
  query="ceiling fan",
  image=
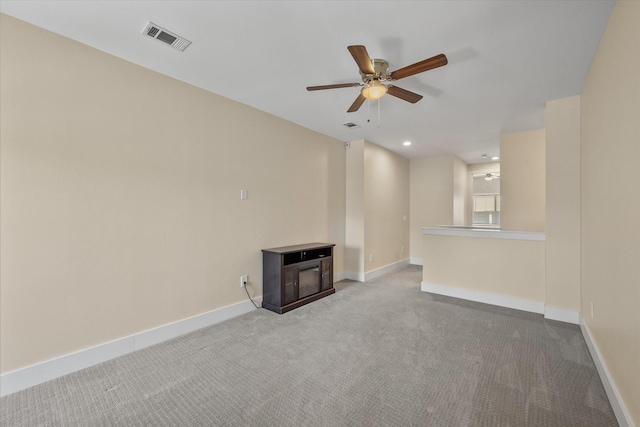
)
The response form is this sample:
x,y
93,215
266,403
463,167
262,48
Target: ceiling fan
x,y
487,176
375,72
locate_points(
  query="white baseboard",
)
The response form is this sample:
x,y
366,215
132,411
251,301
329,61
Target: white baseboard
x,y
386,269
561,315
352,275
21,379
619,409
340,276
493,299
363,277
552,313
416,261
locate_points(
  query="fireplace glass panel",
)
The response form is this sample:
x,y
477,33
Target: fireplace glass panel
x,y
309,281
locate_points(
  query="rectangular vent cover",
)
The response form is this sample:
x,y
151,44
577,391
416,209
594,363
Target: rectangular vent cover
x,y
351,125
155,31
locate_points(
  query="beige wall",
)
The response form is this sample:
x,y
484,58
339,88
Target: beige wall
x,y
459,192
563,203
610,153
354,237
431,195
377,225
522,174
386,207
120,196
498,267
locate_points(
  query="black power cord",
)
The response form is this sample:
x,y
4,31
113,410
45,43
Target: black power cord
x,y
245,289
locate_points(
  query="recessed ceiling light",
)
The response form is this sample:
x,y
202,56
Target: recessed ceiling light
x,y
406,143
495,158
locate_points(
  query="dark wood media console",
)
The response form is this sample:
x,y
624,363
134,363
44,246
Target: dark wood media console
x,y
293,276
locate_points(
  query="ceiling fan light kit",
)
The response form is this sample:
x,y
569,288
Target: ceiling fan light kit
x,y
374,72
374,90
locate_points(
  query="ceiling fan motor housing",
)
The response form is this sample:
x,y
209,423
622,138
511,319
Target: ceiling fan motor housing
x,y
381,68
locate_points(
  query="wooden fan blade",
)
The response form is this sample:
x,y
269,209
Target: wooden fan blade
x,y
357,104
337,86
362,58
420,67
403,94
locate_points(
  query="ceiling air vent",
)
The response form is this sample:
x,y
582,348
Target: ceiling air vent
x,y
154,31
351,125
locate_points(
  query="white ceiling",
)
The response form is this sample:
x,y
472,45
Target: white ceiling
x,y
506,59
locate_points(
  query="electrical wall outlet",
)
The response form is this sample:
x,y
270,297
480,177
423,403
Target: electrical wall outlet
x,y
371,258
243,281
402,249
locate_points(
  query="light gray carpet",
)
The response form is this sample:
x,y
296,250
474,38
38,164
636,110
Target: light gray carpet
x,y
381,353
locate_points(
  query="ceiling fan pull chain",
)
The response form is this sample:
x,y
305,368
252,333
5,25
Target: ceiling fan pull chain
x,y
379,101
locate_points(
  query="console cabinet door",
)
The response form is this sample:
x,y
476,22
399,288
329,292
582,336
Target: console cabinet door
x,y
327,274
290,285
